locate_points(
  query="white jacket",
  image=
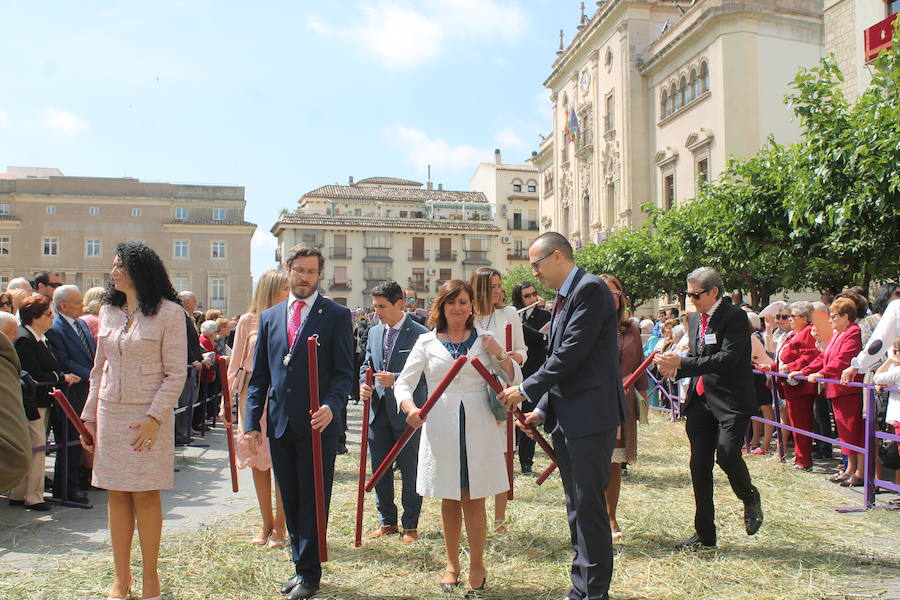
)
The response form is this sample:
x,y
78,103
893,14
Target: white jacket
x,y
439,457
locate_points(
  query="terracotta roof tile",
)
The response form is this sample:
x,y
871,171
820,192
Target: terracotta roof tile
x,y
435,224
388,194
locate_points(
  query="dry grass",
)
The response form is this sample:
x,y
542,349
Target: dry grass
x,y
804,550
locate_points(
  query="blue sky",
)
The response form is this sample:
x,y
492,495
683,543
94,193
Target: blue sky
x,y
279,97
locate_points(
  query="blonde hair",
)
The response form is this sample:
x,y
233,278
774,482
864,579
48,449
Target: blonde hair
x,y
18,297
267,290
212,314
482,286
92,299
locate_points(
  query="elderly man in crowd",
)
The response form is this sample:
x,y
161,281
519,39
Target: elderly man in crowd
x,y
74,346
194,358
19,283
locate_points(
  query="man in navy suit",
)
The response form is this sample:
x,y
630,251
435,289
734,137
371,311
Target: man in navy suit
x,y
387,349
579,394
280,373
74,346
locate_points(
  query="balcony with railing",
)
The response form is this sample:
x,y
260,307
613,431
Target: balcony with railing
x,y
418,285
419,255
340,252
476,257
517,254
378,255
446,256
584,140
337,284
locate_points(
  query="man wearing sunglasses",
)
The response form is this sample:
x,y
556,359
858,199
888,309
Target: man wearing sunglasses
x,y
46,282
719,403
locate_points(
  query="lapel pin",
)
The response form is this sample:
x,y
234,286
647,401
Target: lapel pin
x,y
320,311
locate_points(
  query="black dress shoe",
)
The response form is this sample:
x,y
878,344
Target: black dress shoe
x,y
526,469
303,590
291,584
80,497
753,513
16,502
40,506
695,542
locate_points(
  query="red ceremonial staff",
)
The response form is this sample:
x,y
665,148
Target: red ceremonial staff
x,y
628,383
363,449
517,412
423,412
510,434
75,419
312,344
229,424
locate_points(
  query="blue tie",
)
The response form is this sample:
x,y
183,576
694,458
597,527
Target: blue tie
x,y
82,337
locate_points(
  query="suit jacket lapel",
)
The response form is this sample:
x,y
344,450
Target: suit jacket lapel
x,y
579,273
312,320
279,329
402,342
693,324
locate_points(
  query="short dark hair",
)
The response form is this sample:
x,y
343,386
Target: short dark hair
x,y
671,311
523,285
43,277
449,291
32,308
389,290
304,250
552,241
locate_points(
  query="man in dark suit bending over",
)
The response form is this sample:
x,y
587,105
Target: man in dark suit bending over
x,y
280,371
584,404
719,404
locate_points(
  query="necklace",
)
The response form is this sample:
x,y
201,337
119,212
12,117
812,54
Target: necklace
x,y
128,316
456,348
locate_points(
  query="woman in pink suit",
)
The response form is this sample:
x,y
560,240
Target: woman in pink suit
x,y
846,401
796,350
139,372
272,289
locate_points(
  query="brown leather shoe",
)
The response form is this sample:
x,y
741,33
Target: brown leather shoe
x,y
410,535
384,530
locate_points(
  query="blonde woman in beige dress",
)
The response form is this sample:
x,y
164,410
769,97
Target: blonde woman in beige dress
x,y
272,288
139,371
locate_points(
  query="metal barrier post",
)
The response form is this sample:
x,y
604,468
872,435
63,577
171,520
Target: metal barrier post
x,y
871,451
779,432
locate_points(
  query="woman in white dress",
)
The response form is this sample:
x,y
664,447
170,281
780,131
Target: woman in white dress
x,y
461,452
492,315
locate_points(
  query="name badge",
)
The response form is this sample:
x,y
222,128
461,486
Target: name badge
x,y
709,338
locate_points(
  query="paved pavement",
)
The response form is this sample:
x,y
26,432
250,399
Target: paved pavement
x,y
202,495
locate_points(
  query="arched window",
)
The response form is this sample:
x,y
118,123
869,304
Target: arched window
x,y
679,96
689,94
671,102
682,90
664,104
704,77
695,84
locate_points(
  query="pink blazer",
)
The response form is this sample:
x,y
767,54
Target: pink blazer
x,y
151,367
841,348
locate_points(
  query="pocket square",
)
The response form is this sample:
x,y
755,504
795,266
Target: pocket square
x,y
404,351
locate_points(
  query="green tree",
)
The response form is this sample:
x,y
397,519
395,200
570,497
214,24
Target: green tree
x,y
523,273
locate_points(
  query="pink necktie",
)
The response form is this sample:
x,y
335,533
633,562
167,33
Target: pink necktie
x,y
704,320
294,328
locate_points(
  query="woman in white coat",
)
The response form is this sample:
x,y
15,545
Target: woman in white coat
x,y
492,315
461,452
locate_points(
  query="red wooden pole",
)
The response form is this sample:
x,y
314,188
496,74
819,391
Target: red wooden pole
x,y
517,412
363,450
510,430
74,418
229,425
318,477
423,412
628,383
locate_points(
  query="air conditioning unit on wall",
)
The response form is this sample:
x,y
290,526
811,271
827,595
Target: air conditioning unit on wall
x,y
506,239
432,271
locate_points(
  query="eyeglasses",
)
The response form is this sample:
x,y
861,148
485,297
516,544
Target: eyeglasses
x,y
303,272
412,300
834,316
55,284
535,264
783,317
5,302
695,295
797,317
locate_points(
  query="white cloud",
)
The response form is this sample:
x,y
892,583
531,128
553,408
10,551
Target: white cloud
x,y
403,35
421,150
62,122
4,120
543,104
508,139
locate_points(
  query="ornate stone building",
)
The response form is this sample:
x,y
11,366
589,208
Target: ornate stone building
x,y
652,96
855,30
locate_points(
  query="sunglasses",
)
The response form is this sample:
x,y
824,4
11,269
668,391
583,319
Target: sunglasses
x,y
55,284
783,317
5,302
695,295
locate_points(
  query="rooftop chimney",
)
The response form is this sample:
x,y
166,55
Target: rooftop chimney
x,y
497,159
440,187
350,180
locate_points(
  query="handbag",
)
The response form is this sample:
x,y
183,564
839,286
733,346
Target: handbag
x,y
889,456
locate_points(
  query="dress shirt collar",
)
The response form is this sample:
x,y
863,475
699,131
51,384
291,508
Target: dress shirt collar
x,y
309,301
566,287
398,325
68,319
40,338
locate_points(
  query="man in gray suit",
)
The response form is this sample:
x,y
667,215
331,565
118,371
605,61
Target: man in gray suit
x,y
387,349
580,396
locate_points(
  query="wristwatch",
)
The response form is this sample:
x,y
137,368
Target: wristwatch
x,y
502,356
